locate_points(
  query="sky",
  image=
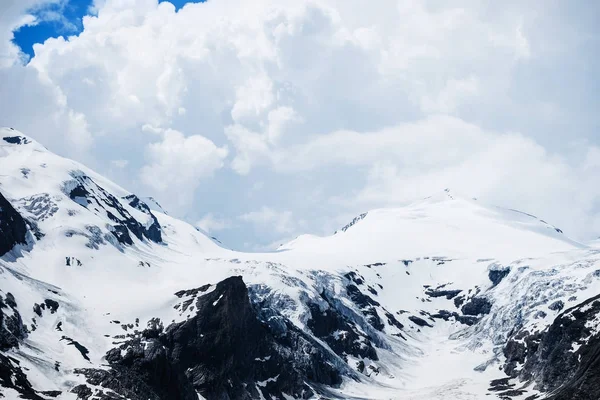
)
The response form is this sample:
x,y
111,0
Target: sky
x,y
258,121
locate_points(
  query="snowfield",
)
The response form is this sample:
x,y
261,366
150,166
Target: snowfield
x,y
446,298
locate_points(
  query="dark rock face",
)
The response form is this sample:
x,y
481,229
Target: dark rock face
x,y
153,231
557,306
463,319
352,223
122,234
565,358
419,321
12,331
82,392
90,195
354,277
339,332
497,275
477,306
225,351
459,301
82,349
393,321
16,140
448,294
192,292
367,306
13,377
13,227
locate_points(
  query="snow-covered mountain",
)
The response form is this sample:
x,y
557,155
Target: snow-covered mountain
x,y
105,296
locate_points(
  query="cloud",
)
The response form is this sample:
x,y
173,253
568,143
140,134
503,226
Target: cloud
x,y
119,163
277,119
28,99
280,221
210,223
250,147
33,104
327,107
275,70
451,96
178,163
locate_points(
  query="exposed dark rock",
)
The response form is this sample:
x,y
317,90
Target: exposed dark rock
x,y
51,305
12,329
367,306
34,229
13,227
459,301
221,352
82,349
477,306
352,223
448,294
377,264
122,234
496,275
419,321
51,393
565,358
13,377
518,348
83,392
72,261
500,384
393,321
153,231
354,277
339,332
86,192
463,319
504,388
16,140
192,292
360,367
557,305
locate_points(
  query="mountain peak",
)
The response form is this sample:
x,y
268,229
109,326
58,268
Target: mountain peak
x,y
444,196
441,224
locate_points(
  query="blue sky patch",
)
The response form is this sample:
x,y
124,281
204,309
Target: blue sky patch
x,y
63,19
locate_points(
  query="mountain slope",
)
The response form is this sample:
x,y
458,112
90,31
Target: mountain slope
x,y
105,296
442,225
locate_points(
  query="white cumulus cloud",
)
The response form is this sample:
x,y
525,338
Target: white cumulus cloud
x,y
329,107
178,163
